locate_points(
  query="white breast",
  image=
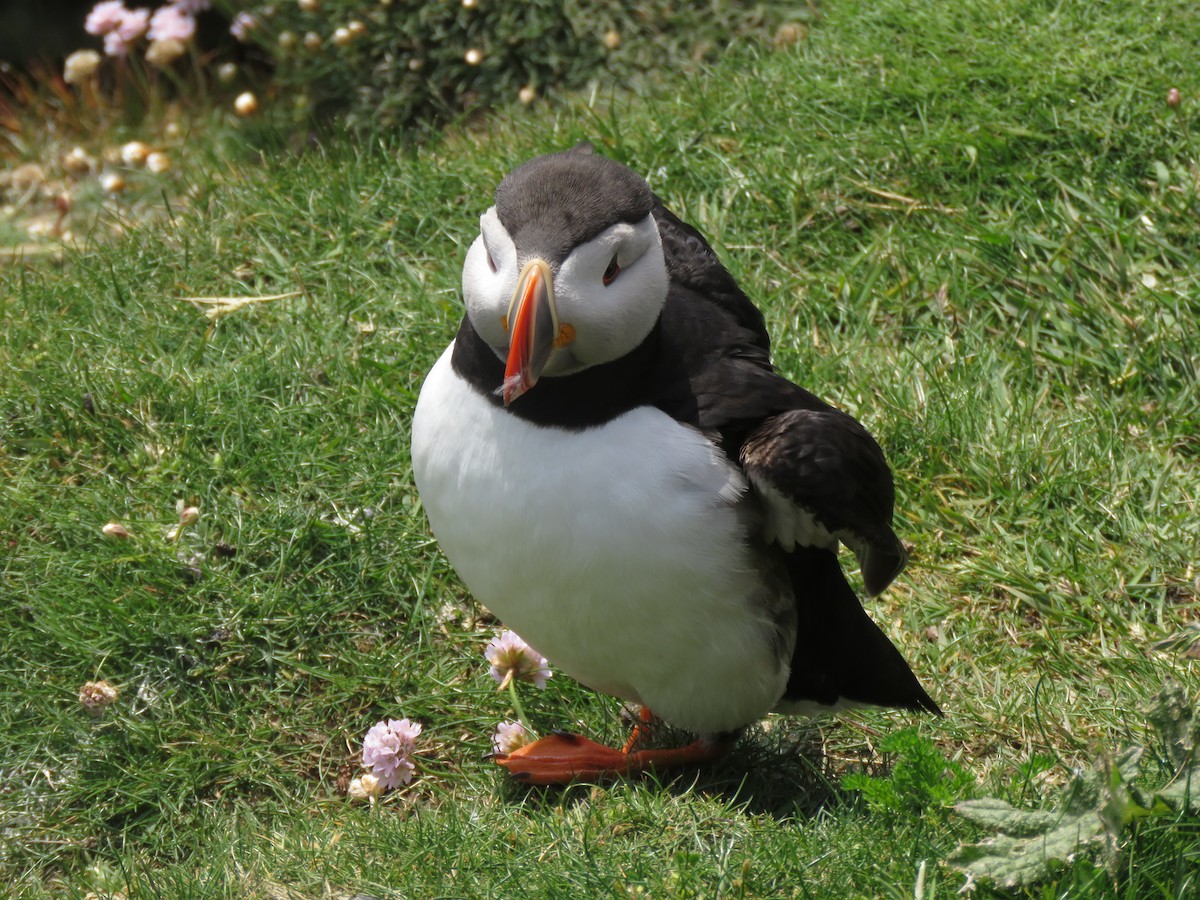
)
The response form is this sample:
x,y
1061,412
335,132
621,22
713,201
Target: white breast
x,y
619,552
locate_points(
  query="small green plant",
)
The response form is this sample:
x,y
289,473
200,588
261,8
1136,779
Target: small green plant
x,y
921,779
1096,807
400,65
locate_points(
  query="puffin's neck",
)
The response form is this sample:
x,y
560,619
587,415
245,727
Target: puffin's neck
x,y
592,397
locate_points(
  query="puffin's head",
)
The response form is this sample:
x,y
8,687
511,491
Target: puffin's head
x,y
568,269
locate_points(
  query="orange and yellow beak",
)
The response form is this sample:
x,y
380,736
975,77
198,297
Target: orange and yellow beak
x,y
533,329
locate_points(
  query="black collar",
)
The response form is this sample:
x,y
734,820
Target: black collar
x,y
586,399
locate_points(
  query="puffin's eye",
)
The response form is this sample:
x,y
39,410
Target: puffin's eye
x,y
611,273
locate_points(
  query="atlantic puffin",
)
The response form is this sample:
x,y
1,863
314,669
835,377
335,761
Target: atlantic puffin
x,y
612,465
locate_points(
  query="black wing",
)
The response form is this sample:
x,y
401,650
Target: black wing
x,y
820,476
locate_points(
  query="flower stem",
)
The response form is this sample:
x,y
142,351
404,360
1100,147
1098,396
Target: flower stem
x,y
516,702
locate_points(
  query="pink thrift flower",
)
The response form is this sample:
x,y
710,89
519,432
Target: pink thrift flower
x,y
510,736
105,17
115,45
243,23
512,658
386,749
133,24
172,23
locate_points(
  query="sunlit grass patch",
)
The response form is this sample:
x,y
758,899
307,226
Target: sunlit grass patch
x,y
987,259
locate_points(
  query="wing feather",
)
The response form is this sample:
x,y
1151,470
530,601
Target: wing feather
x,y
824,479
820,476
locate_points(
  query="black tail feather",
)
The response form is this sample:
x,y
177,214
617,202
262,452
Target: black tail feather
x,y
840,653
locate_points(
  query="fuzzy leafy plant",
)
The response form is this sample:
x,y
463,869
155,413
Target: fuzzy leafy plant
x,y
921,779
1096,807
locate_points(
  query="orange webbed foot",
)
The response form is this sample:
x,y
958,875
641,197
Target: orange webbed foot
x,y
562,758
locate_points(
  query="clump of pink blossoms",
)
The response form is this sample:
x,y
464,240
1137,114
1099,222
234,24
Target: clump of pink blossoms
x,y
509,737
122,27
172,23
105,17
514,660
387,749
119,26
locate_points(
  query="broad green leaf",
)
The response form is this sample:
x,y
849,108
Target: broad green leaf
x,y
1011,861
1094,808
992,812
1176,721
1182,795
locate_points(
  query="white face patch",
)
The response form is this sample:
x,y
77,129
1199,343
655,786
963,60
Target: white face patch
x,y
490,274
608,319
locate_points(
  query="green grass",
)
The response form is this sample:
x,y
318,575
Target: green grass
x,y
974,229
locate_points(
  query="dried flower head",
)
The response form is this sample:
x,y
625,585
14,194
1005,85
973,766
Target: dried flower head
x,y
78,161
246,104
134,153
96,696
80,66
112,183
473,56
342,37
527,94
1174,98
164,51
612,39
365,788
116,531
387,747
510,736
513,659
158,162
312,41
789,33
27,176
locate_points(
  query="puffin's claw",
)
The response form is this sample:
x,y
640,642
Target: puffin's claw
x,y
641,728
